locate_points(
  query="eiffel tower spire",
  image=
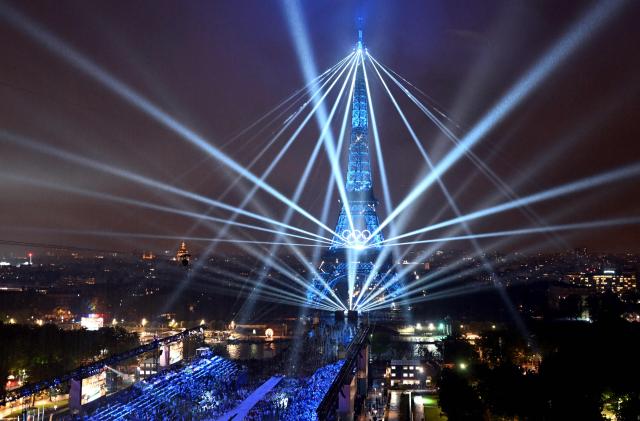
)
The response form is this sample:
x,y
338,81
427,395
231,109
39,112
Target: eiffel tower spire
x,y
352,257
359,184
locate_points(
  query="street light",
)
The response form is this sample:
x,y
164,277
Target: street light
x,y
463,366
143,322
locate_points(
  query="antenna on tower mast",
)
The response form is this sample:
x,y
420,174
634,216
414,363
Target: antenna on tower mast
x,y
360,44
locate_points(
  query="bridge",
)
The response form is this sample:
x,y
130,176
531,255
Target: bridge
x,y
350,383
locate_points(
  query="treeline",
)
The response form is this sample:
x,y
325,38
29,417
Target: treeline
x,y
586,368
47,351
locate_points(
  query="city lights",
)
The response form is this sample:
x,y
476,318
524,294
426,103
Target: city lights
x,y
281,225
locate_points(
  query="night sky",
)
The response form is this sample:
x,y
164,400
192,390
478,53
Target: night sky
x,y
217,66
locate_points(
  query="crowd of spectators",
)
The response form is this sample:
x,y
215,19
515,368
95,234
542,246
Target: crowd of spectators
x,y
203,389
294,398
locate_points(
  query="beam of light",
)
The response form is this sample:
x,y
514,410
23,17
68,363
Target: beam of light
x,y
434,104
119,88
629,171
294,136
122,90
297,95
527,231
115,234
333,174
478,253
273,261
249,195
385,187
307,171
137,178
263,256
284,285
326,205
301,299
317,103
123,173
419,285
276,296
292,100
496,245
508,233
277,292
378,147
462,290
123,234
428,161
484,168
147,205
578,34
485,263
300,38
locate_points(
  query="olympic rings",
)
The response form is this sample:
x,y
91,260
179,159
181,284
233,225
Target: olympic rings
x,y
356,236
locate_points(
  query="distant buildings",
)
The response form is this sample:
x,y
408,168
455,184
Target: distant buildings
x,y
412,373
607,280
183,255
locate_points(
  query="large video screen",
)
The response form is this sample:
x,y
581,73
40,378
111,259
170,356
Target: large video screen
x,y
175,352
92,322
94,387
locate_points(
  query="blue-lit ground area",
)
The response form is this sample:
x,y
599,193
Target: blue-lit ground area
x,y
289,384
202,389
209,388
296,398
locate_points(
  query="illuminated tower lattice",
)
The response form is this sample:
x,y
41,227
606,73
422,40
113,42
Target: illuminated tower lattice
x,y
353,252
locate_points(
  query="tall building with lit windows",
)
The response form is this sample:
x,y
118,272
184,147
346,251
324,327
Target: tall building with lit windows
x,y
608,280
352,256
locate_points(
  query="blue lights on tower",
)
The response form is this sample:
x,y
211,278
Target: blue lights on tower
x,y
359,186
351,260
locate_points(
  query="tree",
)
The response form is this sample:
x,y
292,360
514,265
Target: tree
x,y
458,399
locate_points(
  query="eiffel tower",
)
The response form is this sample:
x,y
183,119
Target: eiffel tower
x,y
351,257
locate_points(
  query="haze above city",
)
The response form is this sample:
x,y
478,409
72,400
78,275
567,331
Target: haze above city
x,y
218,68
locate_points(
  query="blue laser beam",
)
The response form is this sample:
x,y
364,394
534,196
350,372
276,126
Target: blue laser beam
x,y
119,88
578,34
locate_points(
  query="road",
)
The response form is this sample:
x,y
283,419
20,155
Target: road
x,y
394,405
